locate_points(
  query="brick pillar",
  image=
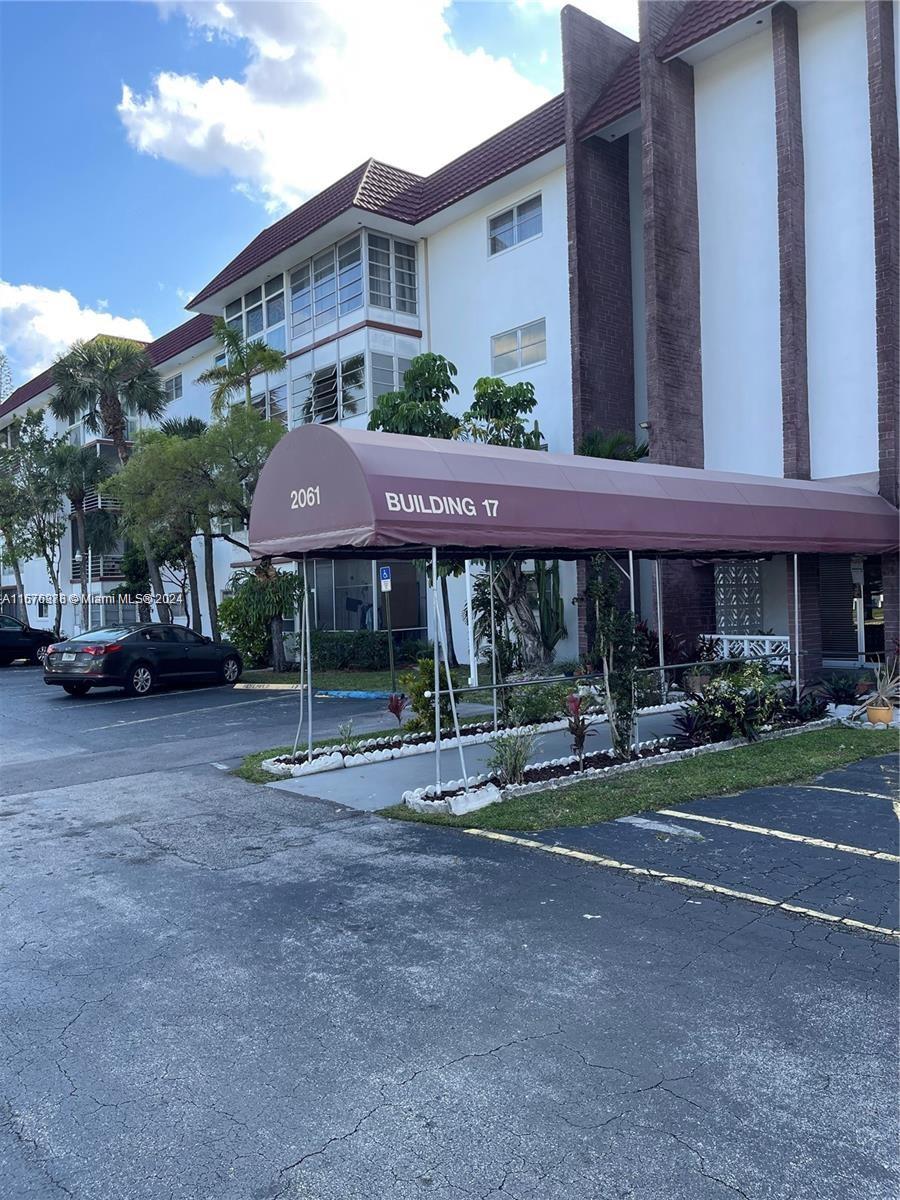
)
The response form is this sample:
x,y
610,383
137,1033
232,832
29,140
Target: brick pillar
x,y
599,236
886,201
890,582
791,242
689,599
810,615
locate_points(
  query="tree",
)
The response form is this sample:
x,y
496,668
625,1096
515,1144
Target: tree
x,y
6,385
193,429
257,602
418,410
245,358
31,465
15,541
81,470
617,647
101,382
496,415
621,446
233,454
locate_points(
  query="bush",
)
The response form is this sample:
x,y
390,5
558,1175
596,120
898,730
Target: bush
x,y
810,707
536,703
739,705
839,689
246,630
415,685
350,649
511,752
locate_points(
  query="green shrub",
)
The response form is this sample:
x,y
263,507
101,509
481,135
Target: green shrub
x,y
415,685
246,630
739,705
511,752
350,649
536,703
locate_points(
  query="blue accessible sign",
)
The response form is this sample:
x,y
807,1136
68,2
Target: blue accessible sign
x,y
384,574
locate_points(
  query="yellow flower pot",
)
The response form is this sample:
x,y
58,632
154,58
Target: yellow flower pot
x,y
880,714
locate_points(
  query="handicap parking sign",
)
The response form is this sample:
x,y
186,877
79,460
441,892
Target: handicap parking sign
x,y
384,574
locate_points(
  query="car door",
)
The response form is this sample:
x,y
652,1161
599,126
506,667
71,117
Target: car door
x,y
14,640
201,656
167,653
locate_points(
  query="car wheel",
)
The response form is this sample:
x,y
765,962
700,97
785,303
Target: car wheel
x,y
231,669
39,656
77,689
140,680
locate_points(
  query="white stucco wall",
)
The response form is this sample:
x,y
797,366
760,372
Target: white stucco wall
x,y
739,293
472,296
840,251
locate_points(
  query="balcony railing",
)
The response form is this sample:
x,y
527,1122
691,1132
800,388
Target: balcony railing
x,y
103,566
95,501
777,646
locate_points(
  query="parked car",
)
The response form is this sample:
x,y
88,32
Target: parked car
x,y
139,658
18,640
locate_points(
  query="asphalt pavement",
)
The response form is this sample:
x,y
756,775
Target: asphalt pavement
x,y
211,990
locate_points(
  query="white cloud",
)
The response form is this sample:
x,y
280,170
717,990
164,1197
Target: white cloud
x,y
37,323
326,86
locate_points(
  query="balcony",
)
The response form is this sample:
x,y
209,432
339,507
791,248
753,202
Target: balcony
x,y
104,567
95,501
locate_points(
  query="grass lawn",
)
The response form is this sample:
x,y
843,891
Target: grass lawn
x,y
343,681
790,760
251,770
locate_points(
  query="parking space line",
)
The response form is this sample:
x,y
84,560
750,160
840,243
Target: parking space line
x,y
820,787
184,712
882,855
598,860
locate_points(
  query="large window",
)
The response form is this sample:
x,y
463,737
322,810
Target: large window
x,y
260,313
173,388
392,273
326,285
331,392
272,404
518,348
387,374
518,224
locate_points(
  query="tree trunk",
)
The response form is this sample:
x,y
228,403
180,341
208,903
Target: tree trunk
x,y
196,620
209,574
279,660
513,595
81,532
163,610
54,579
448,624
144,614
20,587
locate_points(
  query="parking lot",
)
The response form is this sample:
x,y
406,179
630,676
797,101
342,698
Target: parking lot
x,y
216,991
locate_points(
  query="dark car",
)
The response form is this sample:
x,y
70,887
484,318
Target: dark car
x,y
21,641
138,658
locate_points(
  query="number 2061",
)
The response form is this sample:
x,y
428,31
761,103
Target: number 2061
x,y
305,497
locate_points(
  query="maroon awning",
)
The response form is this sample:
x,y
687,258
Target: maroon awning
x,y
339,491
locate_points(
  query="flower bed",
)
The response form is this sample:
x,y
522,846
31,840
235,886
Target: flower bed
x,y
330,758
459,796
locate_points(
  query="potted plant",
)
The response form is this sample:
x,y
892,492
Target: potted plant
x,y
880,704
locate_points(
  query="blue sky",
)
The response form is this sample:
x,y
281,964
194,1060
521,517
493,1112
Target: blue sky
x,y
143,144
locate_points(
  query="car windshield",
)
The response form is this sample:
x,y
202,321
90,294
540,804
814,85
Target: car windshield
x,y
102,635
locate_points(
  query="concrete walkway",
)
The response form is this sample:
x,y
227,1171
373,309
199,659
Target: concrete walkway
x,y
377,785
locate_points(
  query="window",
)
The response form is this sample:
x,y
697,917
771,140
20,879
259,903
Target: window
x,y
332,392
350,283
272,404
260,314
518,224
392,273
387,374
324,287
517,348
173,388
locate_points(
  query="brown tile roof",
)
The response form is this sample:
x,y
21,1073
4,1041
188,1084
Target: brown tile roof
x,y
181,338
377,187
702,18
621,96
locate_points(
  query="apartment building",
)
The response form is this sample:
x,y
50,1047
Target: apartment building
x,y
696,241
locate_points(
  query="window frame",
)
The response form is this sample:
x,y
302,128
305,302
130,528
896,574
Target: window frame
x,y
518,330
514,209
176,381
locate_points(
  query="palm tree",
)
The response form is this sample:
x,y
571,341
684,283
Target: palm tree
x,y
620,446
101,382
244,360
188,429
81,470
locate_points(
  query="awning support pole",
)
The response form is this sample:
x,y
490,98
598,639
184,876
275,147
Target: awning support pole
x,y
309,674
493,641
473,657
796,630
437,672
636,732
443,637
300,673
659,633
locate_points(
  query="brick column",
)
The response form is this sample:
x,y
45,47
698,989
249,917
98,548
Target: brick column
x,y
791,242
599,236
671,246
810,616
886,197
890,582
689,599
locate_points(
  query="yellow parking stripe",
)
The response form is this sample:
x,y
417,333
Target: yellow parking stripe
x,y
820,787
882,855
598,860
